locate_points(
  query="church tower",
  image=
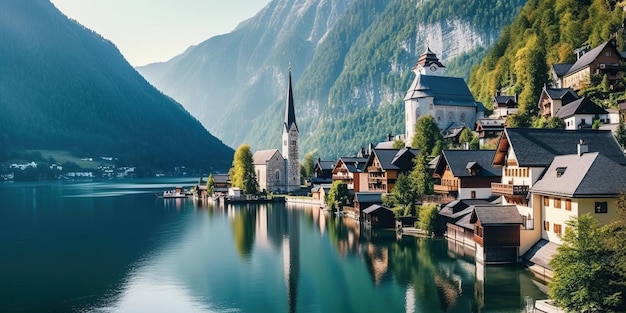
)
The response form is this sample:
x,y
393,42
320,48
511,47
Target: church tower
x,y
290,142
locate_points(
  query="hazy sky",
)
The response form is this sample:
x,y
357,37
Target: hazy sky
x,y
148,31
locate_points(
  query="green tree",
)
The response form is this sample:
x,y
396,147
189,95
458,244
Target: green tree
x,y
421,175
242,173
337,195
428,218
398,144
615,245
468,137
210,185
596,123
550,122
582,270
402,197
620,135
308,165
426,134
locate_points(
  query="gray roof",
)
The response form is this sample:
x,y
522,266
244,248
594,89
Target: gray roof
x,y
588,175
505,101
541,253
445,90
496,215
290,113
465,222
561,69
221,178
368,197
262,156
588,58
458,160
353,164
385,145
560,93
394,159
583,105
325,165
536,147
458,208
375,207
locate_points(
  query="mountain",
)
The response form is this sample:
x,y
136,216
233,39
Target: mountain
x,y
351,63
65,87
545,32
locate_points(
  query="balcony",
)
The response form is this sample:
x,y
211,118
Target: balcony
x,y
508,189
343,178
445,188
373,169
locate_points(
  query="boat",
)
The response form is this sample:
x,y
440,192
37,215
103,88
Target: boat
x,y
178,192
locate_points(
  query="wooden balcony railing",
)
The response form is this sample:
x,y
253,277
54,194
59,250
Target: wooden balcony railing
x,y
374,169
508,189
445,188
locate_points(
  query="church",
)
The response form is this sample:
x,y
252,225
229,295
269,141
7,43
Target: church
x,y
447,99
276,172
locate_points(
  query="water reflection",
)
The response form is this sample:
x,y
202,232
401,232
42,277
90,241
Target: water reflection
x,y
132,253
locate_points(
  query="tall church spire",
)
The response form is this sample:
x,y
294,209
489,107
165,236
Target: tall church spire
x,y
290,113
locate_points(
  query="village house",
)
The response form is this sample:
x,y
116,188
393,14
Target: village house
x,y
601,60
322,172
384,165
524,154
447,99
581,113
496,233
504,105
351,171
455,217
488,129
552,99
466,174
363,200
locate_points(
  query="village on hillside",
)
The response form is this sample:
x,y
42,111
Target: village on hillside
x,y
509,201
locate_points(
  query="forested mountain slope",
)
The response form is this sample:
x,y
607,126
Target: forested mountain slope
x,y
351,63
65,87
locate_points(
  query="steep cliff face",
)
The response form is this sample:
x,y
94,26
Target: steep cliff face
x,y
346,56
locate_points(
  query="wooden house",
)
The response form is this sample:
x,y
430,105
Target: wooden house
x,y
350,171
384,165
552,99
454,218
222,182
489,128
466,174
601,60
378,216
504,105
323,172
496,233
363,200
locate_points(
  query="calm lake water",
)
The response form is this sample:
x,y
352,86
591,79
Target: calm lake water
x,y
113,247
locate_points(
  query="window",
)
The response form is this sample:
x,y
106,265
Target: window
x,y
568,204
546,201
608,53
277,175
546,225
557,203
557,228
473,194
601,207
528,222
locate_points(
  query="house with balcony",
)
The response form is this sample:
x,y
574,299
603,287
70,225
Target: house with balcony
x,y
601,60
573,184
488,129
552,99
524,154
466,174
350,171
384,165
504,105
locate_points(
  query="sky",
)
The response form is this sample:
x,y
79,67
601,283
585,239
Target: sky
x,y
148,31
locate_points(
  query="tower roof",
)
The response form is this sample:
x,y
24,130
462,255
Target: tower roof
x,y
427,58
290,112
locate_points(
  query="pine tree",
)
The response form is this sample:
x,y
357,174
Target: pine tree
x,y
210,185
427,135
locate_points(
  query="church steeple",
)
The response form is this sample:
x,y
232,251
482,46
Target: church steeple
x,y
290,113
428,64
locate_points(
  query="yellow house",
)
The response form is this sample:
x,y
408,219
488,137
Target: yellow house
x,y
577,184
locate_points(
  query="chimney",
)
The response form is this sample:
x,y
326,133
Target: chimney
x,y
389,137
582,147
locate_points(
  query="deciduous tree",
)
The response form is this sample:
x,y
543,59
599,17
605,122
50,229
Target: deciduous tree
x,y
242,173
337,195
427,134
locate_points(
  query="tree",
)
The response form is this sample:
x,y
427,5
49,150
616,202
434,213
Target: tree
x,y
422,178
398,144
402,197
210,185
582,270
427,134
550,122
242,173
308,165
620,135
615,245
428,218
468,137
337,195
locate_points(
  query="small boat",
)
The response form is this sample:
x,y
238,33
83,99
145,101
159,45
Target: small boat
x,y
178,192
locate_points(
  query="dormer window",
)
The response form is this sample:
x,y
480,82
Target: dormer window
x,y
560,171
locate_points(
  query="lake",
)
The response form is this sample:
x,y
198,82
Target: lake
x,y
112,246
